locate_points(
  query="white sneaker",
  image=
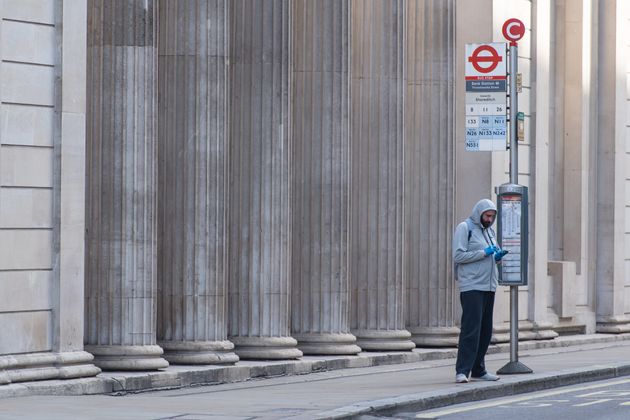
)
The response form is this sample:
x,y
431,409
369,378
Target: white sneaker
x,y
460,378
488,377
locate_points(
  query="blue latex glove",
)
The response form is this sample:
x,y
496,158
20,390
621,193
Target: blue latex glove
x,y
500,254
490,250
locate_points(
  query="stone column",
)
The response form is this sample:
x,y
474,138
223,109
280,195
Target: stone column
x,y
572,200
320,289
260,153
538,287
429,171
192,151
121,234
612,169
376,202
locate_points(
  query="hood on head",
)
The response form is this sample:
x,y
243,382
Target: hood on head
x,y
481,207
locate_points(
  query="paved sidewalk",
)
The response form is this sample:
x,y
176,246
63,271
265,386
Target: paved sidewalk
x,y
343,393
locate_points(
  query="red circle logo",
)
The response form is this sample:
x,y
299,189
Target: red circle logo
x,y
513,30
488,61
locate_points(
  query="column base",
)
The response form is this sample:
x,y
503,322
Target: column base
x,y
526,331
327,344
384,340
613,325
266,348
435,336
42,366
128,357
542,331
199,352
570,328
502,335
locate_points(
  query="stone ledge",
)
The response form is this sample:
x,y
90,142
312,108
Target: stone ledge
x,y
179,376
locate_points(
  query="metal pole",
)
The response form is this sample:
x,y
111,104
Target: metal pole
x,y
513,180
514,324
513,114
514,366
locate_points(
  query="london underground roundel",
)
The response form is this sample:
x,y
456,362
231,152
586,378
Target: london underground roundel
x,y
485,58
486,61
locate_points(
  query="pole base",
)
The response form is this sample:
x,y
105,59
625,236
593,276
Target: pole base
x,y
513,368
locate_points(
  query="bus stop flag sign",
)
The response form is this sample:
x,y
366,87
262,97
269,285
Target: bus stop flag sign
x,y
486,97
513,30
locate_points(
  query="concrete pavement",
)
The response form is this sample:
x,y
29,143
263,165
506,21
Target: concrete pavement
x,y
390,381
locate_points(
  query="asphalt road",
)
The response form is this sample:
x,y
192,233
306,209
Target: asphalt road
x,y
609,400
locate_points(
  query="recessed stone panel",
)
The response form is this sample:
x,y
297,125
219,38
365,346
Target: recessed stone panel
x,y
40,11
627,298
25,208
26,125
26,166
25,249
25,332
28,84
28,43
25,290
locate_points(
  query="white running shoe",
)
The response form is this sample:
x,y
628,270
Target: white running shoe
x,y
488,377
460,378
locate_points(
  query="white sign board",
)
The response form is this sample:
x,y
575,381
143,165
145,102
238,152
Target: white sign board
x,y
511,239
486,97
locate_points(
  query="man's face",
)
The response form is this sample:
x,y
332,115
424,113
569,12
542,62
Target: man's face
x,y
487,218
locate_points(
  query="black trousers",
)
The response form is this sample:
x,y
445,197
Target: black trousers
x,y
476,332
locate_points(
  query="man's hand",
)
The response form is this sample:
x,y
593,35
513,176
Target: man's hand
x,y
490,250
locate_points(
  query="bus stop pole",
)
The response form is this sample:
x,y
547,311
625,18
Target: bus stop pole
x,y
514,366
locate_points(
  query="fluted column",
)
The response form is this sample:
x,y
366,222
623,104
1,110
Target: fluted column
x,y
121,185
612,169
320,289
429,171
260,153
376,203
192,151
539,299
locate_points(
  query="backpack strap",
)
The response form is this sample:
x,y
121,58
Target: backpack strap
x,y
470,228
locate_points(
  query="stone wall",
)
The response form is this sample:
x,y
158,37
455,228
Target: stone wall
x,y
27,92
42,209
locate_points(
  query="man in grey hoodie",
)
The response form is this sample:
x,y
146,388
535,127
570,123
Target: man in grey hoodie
x,y
476,254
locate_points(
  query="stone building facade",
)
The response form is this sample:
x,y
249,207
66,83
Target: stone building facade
x,y
203,181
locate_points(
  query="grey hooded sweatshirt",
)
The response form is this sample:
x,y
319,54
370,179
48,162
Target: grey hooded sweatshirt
x,y
473,269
